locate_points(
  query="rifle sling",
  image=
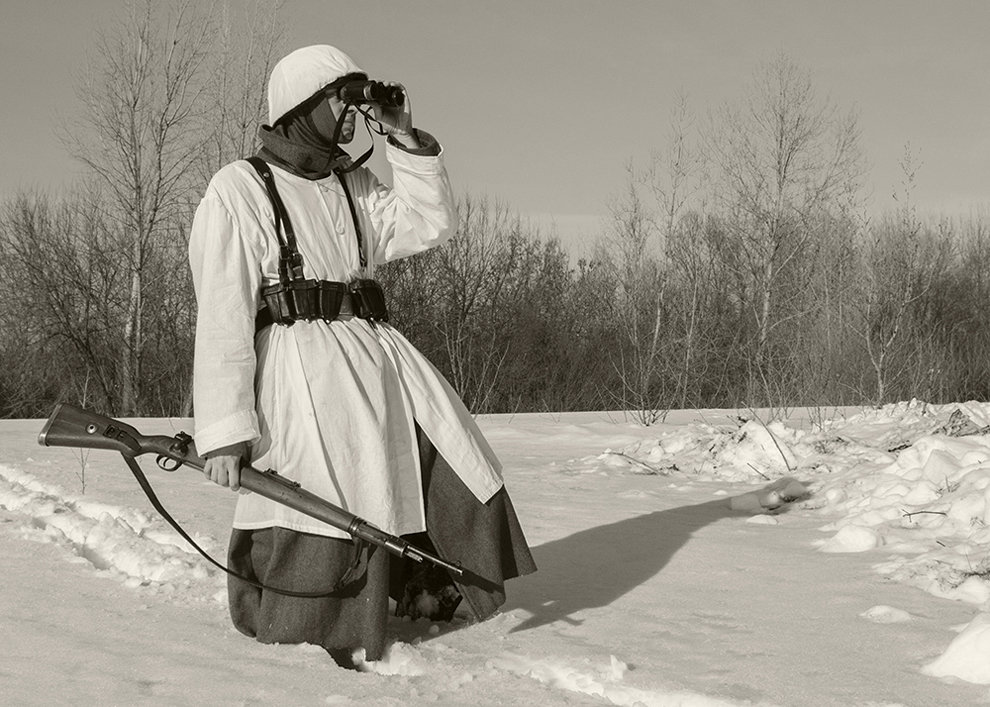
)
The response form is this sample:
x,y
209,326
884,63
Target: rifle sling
x,y
349,576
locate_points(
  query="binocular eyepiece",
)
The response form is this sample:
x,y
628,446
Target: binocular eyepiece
x,y
362,92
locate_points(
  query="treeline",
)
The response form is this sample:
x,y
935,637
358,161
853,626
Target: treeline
x,y
738,267
888,312
867,315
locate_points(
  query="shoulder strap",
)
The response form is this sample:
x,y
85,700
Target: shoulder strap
x,y
290,261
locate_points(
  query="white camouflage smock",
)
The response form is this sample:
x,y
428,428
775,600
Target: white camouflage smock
x,y
331,406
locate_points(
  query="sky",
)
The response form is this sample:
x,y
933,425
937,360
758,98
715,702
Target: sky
x,y
543,104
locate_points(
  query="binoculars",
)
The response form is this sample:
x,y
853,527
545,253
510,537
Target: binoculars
x,y
362,92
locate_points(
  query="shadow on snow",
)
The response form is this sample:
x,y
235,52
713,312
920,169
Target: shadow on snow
x,y
594,567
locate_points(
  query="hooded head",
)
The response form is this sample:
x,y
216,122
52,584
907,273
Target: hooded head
x,y
304,72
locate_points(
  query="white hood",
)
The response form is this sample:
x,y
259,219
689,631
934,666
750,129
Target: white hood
x,y
302,73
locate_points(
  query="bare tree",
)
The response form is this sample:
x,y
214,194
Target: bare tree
x,y
244,54
673,177
672,173
901,260
475,269
658,292
632,249
497,311
138,134
58,284
460,303
781,158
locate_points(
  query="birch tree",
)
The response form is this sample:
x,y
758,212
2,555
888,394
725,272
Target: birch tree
x,y
138,134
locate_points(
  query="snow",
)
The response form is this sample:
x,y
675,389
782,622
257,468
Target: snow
x,y
966,656
836,557
885,615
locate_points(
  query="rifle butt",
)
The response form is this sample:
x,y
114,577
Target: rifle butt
x,y
72,426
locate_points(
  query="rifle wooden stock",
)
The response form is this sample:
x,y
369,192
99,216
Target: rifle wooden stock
x,y
71,426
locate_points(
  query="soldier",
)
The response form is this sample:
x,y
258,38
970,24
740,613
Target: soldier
x,y
297,369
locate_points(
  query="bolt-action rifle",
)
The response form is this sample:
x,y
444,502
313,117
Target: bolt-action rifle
x,y
71,426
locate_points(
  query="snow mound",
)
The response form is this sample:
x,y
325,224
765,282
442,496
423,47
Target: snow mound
x,y
852,538
967,656
746,452
926,499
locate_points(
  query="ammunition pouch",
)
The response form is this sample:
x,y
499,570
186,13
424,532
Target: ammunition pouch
x,y
303,299
287,302
369,300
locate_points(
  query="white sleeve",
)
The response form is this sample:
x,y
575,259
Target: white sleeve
x,y
227,276
417,213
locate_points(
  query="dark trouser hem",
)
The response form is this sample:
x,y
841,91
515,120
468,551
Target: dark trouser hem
x,y
353,617
485,538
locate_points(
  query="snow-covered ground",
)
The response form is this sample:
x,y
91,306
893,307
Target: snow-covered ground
x,y
674,570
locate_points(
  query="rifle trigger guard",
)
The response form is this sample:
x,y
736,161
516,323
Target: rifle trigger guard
x,y
179,448
167,463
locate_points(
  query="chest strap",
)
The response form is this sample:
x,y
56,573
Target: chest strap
x,y
290,260
294,297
